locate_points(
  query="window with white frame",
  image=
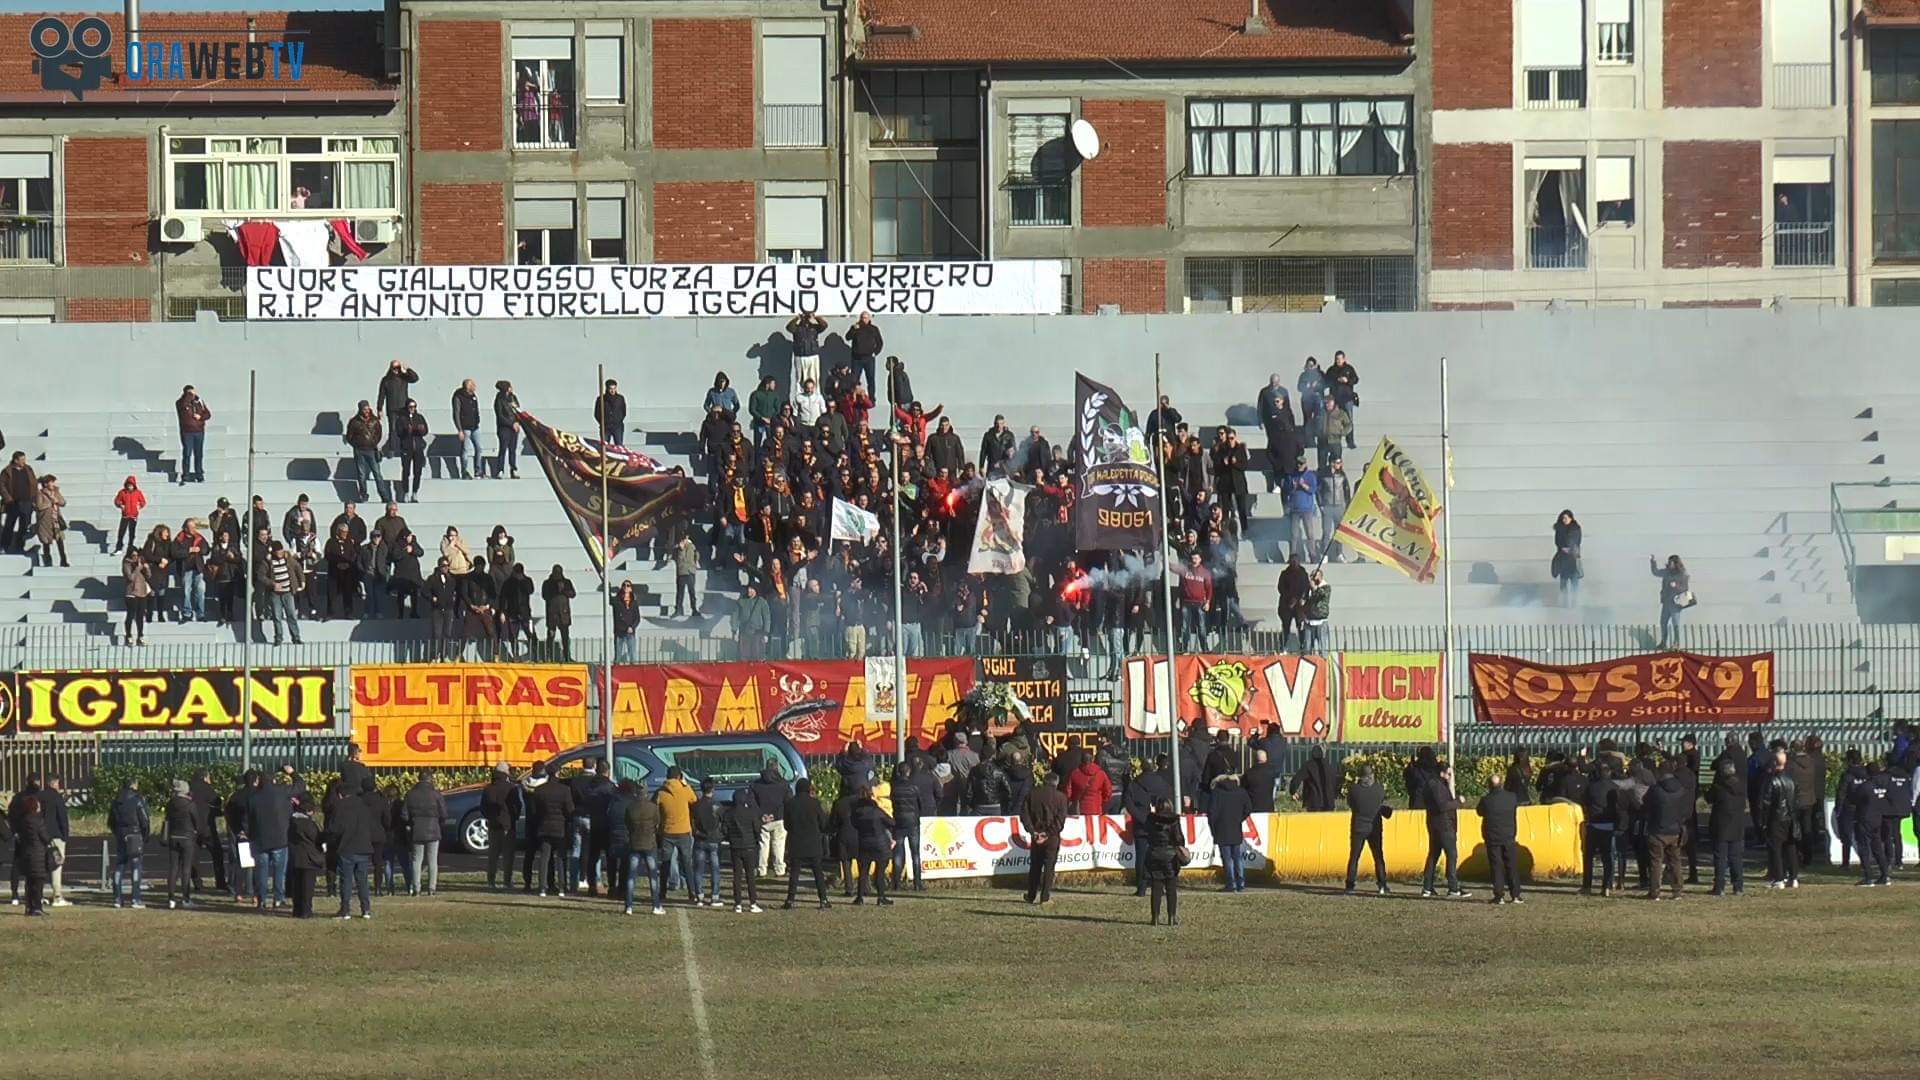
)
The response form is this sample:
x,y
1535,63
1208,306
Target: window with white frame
x,y
1269,137
542,102
1556,208
1613,191
26,207
282,175
606,223
1803,210
606,68
1613,31
796,226
793,81
1553,53
543,225
1802,53
1039,170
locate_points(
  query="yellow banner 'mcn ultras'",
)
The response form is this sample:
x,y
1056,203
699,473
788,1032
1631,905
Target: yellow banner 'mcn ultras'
x,y
63,702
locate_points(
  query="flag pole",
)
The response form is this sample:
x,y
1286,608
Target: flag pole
x,y
1446,562
1166,587
246,645
899,641
606,576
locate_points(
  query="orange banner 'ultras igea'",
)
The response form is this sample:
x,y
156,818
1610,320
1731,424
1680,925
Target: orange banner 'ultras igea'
x,y
468,714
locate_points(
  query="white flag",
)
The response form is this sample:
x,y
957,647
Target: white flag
x,y
1000,536
852,523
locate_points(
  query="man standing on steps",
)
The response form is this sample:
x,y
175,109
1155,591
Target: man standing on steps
x,y
410,438
393,395
1043,816
610,412
193,414
864,339
506,423
466,426
364,435
18,486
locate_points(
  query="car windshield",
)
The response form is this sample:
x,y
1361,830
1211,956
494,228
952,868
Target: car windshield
x,y
728,764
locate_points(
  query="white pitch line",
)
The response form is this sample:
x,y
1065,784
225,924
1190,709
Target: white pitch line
x,y
698,996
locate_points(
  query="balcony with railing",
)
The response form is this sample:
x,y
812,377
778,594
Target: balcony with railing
x,y
544,121
26,240
1803,243
1614,43
1802,86
1556,247
1037,202
793,125
1556,88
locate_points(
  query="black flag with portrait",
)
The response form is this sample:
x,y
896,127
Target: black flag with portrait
x,y
640,494
1119,495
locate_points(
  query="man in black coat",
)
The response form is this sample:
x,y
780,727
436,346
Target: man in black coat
x,y
1499,811
127,824
1227,814
1442,804
1845,799
1727,824
200,790
1261,783
269,808
1899,805
610,412
1869,815
393,395
770,793
916,795
805,823
1600,835
53,810
1665,808
1367,799
551,814
1316,782
1043,816
351,834
500,807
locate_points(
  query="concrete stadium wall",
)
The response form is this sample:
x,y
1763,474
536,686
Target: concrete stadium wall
x,y
980,365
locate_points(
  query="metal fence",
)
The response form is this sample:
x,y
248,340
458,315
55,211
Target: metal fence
x,y
793,125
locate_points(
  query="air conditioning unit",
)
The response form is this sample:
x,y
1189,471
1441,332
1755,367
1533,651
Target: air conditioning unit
x,y
376,230
176,229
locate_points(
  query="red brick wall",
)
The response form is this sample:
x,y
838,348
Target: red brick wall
x,y
1490,305
1711,304
1712,204
1127,183
462,99
1713,53
462,224
103,310
1473,206
106,185
703,222
703,82
1473,54
1137,285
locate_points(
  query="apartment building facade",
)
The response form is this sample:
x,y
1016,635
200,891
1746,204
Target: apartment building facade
x,y
1885,81
1249,158
1639,153
115,196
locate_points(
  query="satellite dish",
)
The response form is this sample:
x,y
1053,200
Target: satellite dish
x,y
1085,140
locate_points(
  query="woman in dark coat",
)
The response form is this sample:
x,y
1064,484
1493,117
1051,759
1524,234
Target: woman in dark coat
x,y
846,842
806,840
304,860
32,858
558,593
1566,556
1163,860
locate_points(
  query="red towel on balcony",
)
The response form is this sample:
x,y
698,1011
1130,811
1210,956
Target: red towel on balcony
x,y
348,244
258,241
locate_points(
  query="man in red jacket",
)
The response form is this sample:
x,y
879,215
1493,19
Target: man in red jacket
x,y
1088,788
